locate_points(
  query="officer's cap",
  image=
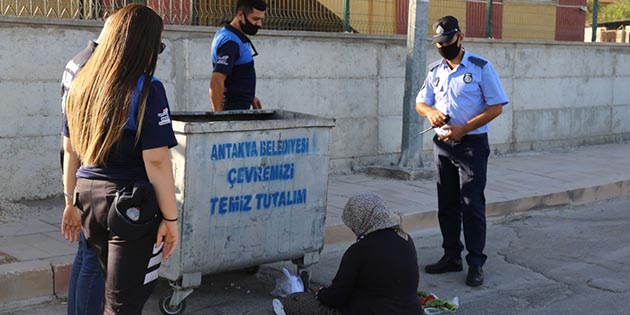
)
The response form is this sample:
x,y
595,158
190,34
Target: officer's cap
x,y
445,28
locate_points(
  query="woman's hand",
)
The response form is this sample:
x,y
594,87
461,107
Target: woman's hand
x,y
315,291
256,104
71,223
167,235
157,163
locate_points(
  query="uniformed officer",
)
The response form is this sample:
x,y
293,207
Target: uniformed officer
x,y
118,177
465,87
233,81
86,287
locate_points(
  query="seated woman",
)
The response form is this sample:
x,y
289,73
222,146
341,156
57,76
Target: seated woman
x,y
378,274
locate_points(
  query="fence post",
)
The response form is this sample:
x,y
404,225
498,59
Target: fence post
x,y
489,19
594,24
415,69
346,16
194,12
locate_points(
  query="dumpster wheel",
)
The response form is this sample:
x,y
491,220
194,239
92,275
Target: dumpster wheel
x,y
167,309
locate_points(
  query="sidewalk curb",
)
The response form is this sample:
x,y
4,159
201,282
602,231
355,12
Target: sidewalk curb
x,y
25,280
34,282
339,233
39,281
61,270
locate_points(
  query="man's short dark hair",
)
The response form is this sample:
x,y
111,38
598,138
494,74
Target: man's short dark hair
x,y
248,6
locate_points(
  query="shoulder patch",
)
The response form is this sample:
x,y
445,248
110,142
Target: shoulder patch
x,y
434,65
478,61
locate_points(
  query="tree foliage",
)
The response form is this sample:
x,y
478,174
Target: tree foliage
x,y
620,10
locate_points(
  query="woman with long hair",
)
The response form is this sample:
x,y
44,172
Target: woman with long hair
x,y
118,178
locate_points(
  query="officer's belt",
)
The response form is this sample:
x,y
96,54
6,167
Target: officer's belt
x,y
475,136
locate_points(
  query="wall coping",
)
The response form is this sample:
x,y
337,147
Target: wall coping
x,y
91,24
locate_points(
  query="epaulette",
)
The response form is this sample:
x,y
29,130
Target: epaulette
x,y
434,65
478,61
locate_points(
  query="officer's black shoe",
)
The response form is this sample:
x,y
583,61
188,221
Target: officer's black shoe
x,y
475,276
445,264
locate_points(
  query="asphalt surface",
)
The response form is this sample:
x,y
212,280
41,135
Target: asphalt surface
x,y
570,260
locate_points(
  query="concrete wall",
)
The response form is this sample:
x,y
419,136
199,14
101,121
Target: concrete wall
x,y
561,93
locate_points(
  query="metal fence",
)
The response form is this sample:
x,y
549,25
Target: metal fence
x,y
306,15
509,19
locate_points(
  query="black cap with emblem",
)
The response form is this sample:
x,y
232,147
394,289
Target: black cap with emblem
x,y
445,28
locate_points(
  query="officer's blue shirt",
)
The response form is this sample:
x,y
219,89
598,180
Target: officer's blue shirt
x,y
463,92
232,56
124,161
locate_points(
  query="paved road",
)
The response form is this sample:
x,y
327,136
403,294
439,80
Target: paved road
x,y
555,261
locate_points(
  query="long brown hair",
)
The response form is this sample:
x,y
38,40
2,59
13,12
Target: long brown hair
x,y
100,97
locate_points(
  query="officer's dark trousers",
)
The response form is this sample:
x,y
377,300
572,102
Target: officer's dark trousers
x,y
461,179
130,266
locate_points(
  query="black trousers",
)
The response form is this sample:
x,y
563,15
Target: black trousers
x,y
461,169
130,266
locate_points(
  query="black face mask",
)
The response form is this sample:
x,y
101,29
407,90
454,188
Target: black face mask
x,y
248,28
451,51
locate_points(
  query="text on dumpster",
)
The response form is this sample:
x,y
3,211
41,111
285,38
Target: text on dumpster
x,y
244,203
242,176
247,149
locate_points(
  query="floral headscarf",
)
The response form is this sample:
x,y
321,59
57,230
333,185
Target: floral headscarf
x,y
366,213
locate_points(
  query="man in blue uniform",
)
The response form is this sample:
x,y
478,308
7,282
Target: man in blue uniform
x,y
233,81
465,88
87,286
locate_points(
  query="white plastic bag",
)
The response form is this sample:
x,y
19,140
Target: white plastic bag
x,y
287,284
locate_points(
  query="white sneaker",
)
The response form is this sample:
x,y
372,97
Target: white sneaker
x,y
278,308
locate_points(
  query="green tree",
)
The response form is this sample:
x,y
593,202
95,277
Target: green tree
x,y
620,10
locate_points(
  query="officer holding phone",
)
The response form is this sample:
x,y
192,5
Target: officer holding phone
x,y
465,89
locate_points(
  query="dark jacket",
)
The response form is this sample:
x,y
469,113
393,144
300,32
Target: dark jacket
x,y
378,275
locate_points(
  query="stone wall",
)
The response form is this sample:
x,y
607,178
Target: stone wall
x,y
562,94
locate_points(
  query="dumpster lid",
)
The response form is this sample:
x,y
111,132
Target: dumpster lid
x,y
228,115
242,120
